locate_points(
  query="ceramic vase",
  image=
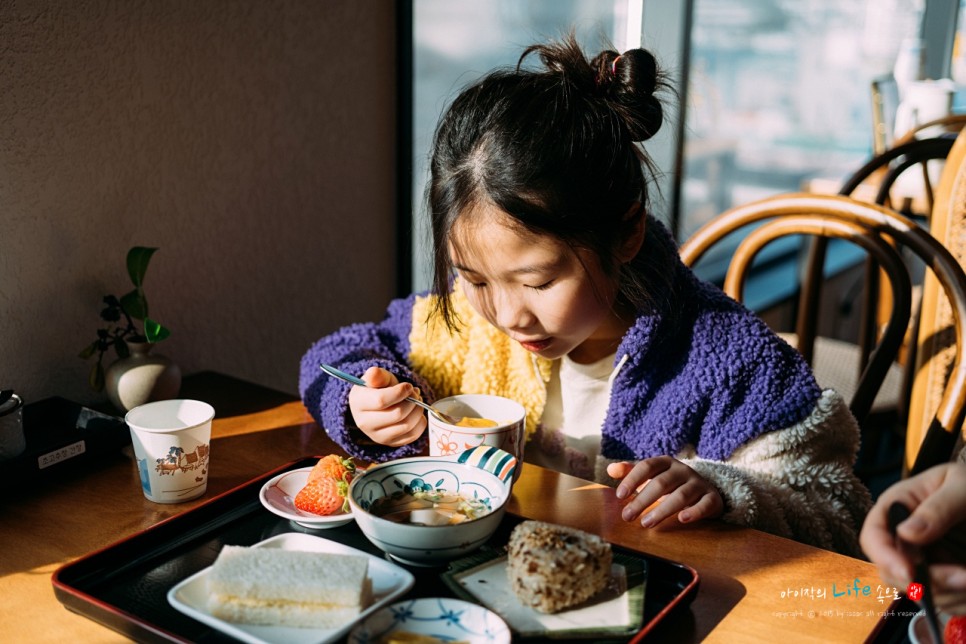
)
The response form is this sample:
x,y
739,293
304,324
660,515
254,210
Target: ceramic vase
x,y
141,377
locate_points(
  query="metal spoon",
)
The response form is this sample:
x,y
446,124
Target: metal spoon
x,y
446,418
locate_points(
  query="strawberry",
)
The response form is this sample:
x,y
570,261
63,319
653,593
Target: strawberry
x,y
323,495
955,632
334,466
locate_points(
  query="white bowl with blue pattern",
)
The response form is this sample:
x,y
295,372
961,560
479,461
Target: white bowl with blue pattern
x,y
482,473
448,620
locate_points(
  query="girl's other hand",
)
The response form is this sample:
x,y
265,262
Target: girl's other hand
x,y
680,489
382,412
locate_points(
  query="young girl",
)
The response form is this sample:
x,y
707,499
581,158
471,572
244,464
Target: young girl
x,y
554,287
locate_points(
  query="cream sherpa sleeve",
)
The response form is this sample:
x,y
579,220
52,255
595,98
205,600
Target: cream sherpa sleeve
x,y
797,482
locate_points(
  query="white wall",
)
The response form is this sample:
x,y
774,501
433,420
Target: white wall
x,y
252,141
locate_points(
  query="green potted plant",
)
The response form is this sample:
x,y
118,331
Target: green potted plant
x,y
131,333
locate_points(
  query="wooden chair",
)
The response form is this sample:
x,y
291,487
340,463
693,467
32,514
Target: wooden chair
x,y
890,166
938,336
942,129
945,219
951,123
838,363
886,167
881,233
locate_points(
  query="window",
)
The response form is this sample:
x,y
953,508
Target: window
x,y
778,92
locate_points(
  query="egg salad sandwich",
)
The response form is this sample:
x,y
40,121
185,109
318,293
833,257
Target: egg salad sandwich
x,y
278,587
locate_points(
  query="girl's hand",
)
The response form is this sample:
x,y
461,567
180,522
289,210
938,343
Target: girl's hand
x,y
684,491
382,412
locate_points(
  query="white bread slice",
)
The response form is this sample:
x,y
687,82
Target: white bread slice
x,y
281,587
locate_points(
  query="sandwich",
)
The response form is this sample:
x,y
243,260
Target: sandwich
x,y
277,587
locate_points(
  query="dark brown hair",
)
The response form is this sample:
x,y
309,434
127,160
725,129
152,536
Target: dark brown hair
x,y
555,148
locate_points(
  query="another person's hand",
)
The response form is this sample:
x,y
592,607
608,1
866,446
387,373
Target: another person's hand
x,y
937,500
684,491
382,412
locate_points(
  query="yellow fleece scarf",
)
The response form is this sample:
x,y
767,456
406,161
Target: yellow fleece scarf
x,y
477,359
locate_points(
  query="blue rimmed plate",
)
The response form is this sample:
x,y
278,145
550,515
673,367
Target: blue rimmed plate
x,y
448,620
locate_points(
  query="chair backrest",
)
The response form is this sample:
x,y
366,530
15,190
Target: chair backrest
x,y
892,163
938,335
879,231
951,123
884,171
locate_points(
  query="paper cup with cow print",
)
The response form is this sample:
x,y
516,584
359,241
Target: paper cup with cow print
x,y
170,440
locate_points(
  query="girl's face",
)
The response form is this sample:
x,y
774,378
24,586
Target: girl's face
x,y
536,289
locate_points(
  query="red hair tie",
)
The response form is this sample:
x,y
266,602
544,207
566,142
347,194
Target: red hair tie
x,y
613,66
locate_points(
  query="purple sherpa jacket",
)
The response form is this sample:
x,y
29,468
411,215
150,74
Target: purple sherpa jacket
x,y
698,369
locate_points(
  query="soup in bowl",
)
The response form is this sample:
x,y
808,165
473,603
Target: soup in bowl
x,y
427,510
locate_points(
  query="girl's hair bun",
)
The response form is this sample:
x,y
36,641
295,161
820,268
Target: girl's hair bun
x,y
637,71
629,81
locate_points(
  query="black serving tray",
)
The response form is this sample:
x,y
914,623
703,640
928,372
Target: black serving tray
x,y
124,586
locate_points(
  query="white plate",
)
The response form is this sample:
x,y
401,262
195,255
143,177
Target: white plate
x,y
445,619
617,611
389,581
278,497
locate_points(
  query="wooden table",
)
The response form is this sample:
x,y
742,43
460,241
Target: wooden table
x,y
754,586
